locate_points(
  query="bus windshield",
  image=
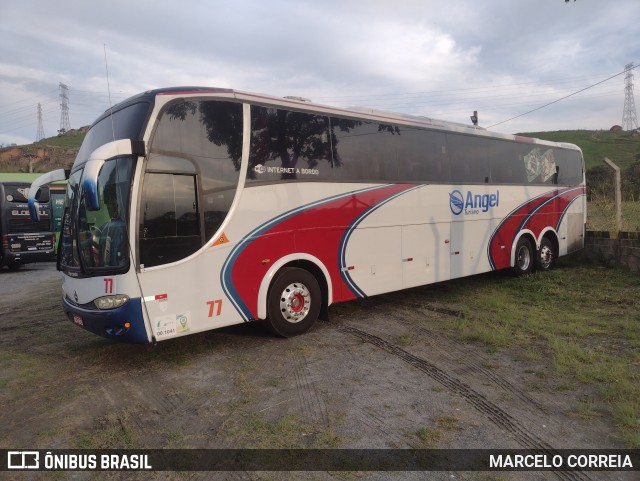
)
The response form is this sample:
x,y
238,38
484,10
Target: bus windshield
x,y
95,241
98,240
126,123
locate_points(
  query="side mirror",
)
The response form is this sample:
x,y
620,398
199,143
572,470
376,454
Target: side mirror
x,y
90,183
48,178
90,188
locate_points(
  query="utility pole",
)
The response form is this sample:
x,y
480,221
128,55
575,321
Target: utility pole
x,y
629,117
40,134
64,112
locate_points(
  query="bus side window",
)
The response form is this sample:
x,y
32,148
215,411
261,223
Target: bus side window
x,y
194,158
469,158
570,167
288,146
170,219
364,151
506,163
422,156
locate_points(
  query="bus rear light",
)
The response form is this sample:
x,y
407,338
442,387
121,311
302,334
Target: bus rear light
x,y
111,302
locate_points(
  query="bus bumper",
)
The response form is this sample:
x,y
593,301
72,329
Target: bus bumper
x,y
27,257
112,323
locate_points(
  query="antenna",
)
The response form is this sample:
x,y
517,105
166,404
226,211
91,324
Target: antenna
x,y
106,66
629,118
64,113
113,131
40,134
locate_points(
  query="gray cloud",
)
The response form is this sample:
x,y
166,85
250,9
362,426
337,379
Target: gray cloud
x,y
427,57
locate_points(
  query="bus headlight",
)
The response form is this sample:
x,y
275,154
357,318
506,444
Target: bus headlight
x,y
111,302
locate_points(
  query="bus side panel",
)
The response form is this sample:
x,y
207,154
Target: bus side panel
x,y
469,241
332,220
425,253
186,296
536,215
571,227
371,239
373,261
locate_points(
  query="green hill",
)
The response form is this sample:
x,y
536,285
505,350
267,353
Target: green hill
x,y
43,156
621,147
67,141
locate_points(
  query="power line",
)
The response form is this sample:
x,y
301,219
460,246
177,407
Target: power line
x,y
560,99
438,93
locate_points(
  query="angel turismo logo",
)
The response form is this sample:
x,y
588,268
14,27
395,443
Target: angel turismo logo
x,y
472,203
456,202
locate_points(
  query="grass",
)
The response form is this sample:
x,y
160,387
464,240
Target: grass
x,y
110,432
584,320
429,437
68,141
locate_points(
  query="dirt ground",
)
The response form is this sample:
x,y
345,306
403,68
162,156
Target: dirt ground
x,y
375,376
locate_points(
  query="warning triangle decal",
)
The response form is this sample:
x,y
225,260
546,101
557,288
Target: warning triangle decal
x,y
222,239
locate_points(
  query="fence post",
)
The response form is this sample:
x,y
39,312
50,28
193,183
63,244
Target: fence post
x,y
618,188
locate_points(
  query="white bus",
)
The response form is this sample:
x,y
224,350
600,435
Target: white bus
x,y
189,209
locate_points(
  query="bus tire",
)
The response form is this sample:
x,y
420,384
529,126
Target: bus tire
x,y
523,262
546,256
294,302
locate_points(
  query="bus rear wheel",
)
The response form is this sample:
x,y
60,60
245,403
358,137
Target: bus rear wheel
x,y
545,257
294,302
524,258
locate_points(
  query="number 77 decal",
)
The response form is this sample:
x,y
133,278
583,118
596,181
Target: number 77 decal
x,y
212,307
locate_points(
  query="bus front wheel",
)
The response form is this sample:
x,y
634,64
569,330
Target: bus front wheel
x,y
294,302
524,258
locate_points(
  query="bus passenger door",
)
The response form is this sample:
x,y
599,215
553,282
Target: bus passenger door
x,y
425,254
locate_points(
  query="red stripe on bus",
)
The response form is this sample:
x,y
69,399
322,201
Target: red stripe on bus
x,y
316,231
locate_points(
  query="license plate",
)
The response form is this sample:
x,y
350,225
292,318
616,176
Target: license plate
x,y
78,320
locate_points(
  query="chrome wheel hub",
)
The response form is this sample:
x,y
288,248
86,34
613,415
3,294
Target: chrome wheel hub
x,y
523,258
295,302
546,256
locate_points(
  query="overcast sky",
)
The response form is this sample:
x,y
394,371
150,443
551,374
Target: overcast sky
x,y
441,59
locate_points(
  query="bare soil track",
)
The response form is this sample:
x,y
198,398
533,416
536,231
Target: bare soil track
x,y
375,376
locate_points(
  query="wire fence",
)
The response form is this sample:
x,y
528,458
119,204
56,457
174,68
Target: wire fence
x,y
601,215
601,209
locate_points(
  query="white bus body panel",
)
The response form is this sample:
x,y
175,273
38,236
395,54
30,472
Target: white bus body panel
x,y
408,238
